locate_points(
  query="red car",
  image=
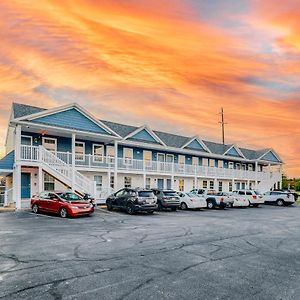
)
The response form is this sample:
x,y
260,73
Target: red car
x,y
63,203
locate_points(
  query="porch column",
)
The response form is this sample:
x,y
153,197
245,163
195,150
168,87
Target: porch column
x,y
172,182
233,187
256,169
17,186
73,161
41,180
248,184
216,184
116,166
144,180
18,143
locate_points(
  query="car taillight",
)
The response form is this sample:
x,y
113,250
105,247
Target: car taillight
x,y
254,196
222,199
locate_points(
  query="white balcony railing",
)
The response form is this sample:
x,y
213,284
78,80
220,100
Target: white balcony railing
x,y
89,161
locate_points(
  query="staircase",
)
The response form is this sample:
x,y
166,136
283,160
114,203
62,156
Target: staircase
x,y
65,173
268,184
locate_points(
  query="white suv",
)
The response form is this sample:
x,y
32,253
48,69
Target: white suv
x,y
254,198
279,198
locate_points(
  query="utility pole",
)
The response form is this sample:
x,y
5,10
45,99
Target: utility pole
x,y
223,125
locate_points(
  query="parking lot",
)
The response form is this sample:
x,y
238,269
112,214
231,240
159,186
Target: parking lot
x,y
251,253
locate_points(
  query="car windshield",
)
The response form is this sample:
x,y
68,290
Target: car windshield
x,y
192,195
70,196
169,193
256,192
145,194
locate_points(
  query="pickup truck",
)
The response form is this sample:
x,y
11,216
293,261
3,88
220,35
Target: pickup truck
x,y
213,198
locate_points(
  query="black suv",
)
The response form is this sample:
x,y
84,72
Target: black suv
x,y
132,200
167,199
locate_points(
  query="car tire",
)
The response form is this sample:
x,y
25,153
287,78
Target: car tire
x,y
210,204
280,202
231,205
63,212
255,205
129,209
109,206
249,203
35,208
150,212
183,206
173,208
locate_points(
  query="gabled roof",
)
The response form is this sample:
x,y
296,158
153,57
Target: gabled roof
x,y
168,139
195,143
233,150
144,134
270,155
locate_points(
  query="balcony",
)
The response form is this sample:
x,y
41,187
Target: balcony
x,y
105,163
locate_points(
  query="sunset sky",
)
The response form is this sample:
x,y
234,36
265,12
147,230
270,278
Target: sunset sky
x,y
170,64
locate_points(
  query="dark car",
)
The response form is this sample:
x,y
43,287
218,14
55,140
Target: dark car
x,y
133,200
63,203
167,199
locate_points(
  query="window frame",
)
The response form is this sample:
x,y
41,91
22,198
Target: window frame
x,y
128,161
83,152
51,139
95,156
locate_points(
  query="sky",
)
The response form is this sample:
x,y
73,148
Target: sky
x,y
169,64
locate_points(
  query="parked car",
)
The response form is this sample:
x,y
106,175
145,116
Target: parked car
x,y
239,201
167,199
289,191
191,200
279,198
88,197
213,198
63,203
133,200
254,198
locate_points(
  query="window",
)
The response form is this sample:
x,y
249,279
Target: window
x,y
250,167
220,186
230,186
238,166
230,165
79,150
170,158
147,158
127,155
243,167
48,182
181,184
127,182
250,185
204,184
211,162
98,180
243,185
26,140
112,181
148,183
205,162
211,184
181,159
220,164
195,161
98,152
49,144
110,153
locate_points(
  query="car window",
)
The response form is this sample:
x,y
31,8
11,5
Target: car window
x,y
131,193
241,193
192,195
169,193
248,193
69,196
146,194
44,195
120,193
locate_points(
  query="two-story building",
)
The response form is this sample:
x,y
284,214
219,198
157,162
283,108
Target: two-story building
x,y
68,148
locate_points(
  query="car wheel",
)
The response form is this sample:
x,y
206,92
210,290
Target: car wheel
x,y
183,206
109,206
255,205
210,205
280,202
150,212
231,205
173,208
249,203
35,208
129,209
63,212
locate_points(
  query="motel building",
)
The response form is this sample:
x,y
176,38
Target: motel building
x,y
67,147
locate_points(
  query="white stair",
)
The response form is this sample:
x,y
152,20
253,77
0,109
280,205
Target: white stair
x,y
268,184
65,173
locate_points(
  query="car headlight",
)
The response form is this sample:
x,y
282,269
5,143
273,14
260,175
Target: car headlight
x,y
72,206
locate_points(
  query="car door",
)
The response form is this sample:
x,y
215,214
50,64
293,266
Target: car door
x,y
267,196
53,203
119,197
43,201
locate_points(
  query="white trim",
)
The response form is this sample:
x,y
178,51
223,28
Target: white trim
x,y
63,108
49,138
149,130
199,141
237,150
77,154
97,156
27,136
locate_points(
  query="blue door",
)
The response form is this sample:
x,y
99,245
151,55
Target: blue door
x,y
160,184
25,186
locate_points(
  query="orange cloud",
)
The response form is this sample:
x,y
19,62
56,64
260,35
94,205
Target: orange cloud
x,y
155,62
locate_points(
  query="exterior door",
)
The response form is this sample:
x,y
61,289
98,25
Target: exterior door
x,y
160,183
169,183
160,161
25,186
